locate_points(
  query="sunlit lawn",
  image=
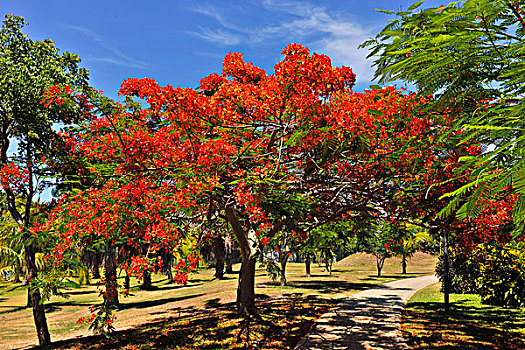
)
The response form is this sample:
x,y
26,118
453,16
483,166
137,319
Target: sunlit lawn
x,y
202,314
468,325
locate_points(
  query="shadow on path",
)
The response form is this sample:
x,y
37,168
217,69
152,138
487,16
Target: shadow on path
x,y
368,320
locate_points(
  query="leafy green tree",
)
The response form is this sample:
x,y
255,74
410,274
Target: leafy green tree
x,y
412,240
469,54
27,68
380,239
327,242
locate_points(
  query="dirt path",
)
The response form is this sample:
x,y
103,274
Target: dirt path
x,y
367,320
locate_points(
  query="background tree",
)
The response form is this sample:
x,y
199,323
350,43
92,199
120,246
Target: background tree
x,y
28,67
381,240
330,241
412,239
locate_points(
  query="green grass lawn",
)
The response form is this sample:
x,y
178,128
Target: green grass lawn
x,y
201,315
469,324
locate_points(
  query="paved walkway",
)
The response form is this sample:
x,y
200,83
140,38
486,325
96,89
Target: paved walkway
x,y
367,320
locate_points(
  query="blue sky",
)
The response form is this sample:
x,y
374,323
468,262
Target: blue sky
x,y
179,42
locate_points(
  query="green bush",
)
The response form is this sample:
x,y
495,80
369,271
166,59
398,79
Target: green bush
x,y
501,279
463,273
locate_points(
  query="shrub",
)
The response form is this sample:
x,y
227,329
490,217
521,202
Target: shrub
x,y
501,279
463,273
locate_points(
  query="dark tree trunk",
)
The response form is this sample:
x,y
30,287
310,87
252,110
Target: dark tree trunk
x,y
126,282
229,267
380,261
308,263
246,287
146,282
96,261
34,297
92,260
95,272
219,269
284,260
28,296
404,263
39,314
167,264
169,274
219,257
110,275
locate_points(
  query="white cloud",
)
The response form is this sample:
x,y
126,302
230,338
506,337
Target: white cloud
x,y
324,32
218,36
117,57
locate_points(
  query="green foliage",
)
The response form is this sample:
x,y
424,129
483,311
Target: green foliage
x,y
463,273
272,268
469,54
495,272
330,240
27,68
11,257
412,240
501,278
381,239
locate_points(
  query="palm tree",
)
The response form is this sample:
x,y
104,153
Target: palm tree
x,y
412,242
11,252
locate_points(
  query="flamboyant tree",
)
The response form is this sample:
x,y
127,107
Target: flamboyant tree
x,y
27,67
288,151
127,219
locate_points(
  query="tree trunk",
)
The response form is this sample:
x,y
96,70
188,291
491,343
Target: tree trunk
x,y
146,282
169,275
167,264
246,288
95,271
95,262
28,304
110,275
284,260
219,257
126,282
219,269
39,314
308,262
446,280
228,250
404,263
34,297
380,261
